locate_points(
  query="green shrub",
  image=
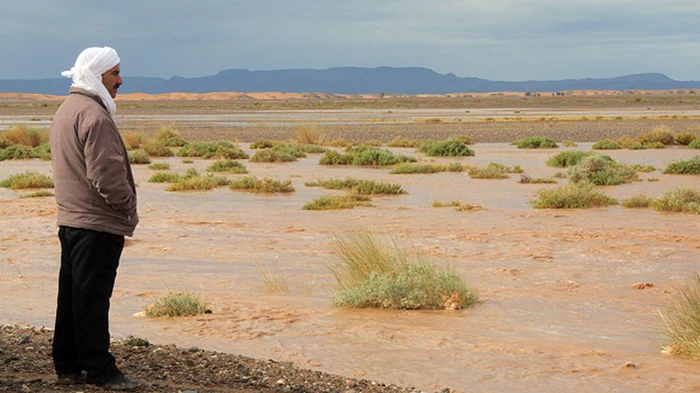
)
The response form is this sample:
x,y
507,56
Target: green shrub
x,y
333,157
266,185
447,148
27,180
685,138
694,144
272,155
177,304
684,167
683,322
411,168
493,171
654,145
659,135
17,152
164,177
220,149
157,149
38,194
198,183
637,201
138,157
227,166
602,171
536,142
526,179
373,156
169,137
43,151
337,202
263,144
362,187
313,149
643,168
681,199
568,158
606,144
571,196
159,166
369,275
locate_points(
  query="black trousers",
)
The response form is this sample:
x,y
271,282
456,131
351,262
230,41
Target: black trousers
x,y
89,261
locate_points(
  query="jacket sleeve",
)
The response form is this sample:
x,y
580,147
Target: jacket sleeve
x,y
106,164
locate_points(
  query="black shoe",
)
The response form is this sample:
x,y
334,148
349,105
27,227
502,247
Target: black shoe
x,y
120,382
71,378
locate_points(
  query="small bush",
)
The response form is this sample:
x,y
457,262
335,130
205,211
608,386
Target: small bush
x,y
403,142
17,152
570,144
447,148
571,196
43,151
157,149
370,275
27,180
493,171
266,185
272,155
637,201
20,134
525,179
685,138
340,142
362,187
263,144
220,149
139,156
568,158
458,205
159,166
684,167
606,144
198,183
373,156
38,194
536,142
335,158
683,322
409,168
164,177
602,171
659,135
681,200
169,137
337,202
694,144
312,149
132,140
227,166
177,304
309,135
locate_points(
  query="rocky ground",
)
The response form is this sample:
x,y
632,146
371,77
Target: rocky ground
x,y
25,366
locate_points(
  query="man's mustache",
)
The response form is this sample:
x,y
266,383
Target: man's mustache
x,y
117,85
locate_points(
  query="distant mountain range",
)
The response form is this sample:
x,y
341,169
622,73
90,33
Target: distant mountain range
x,y
352,80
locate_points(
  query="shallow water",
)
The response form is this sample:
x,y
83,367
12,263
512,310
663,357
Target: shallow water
x,y
560,312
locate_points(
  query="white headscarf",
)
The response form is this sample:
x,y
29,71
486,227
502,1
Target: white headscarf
x,y
88,69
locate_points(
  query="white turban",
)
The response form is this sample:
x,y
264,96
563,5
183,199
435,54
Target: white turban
x,y
88,69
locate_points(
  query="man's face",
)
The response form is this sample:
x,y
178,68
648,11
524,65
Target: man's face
x,y
112,80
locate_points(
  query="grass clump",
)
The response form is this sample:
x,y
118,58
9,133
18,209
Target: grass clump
x,y
133,140
157,149
684,167
403,142
494,170
536,142
685,138
638,201
571,196
177,304
683,322
309,135
263,144
273,155
458,205
526,179
38,194
198,183
371,275
17,152
169,137
681,200
337,202
265,185
568,158
227,166
411,168
606,144
447,148
164,177
159,166
220,149
273,282
659,135
27,180
20,134
362,187
139,157
602,171
694,144
364,156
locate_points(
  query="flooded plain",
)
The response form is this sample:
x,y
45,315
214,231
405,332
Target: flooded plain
x,y
572,299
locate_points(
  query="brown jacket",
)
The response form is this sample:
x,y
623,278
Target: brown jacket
x,y
93,182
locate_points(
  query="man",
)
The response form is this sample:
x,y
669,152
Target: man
x,y
96,198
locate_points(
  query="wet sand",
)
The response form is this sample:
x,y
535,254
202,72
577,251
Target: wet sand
x,y
572,297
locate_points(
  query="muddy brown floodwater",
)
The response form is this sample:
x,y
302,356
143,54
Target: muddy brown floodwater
x,y
573,298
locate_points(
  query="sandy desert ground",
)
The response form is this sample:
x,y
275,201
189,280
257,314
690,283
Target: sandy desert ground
x,y
573,298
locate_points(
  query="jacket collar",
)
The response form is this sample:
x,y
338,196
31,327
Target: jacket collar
x,y
77,90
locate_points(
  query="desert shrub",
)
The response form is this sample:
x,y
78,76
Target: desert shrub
x,y
685,138
263,144
139,156
272,155
38,194
169,137
662,135
27,180
362,187
601,171
654,145
336,158
493,171
606,144
265,185
570,144
312,149
694,144
683,322
198,183
177,304
526,179
20,134
159,166
220,149
403,142
446,148
17,152
681,199
293,149
684,167
408,168
227,166
643,168
133,140
568,158
571,196
373,156
337,202
370,275
339,142
43,151
164,177
536,142
458,205
637,201
308,135
157,149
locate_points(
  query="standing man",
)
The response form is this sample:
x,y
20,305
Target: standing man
x,y
96,198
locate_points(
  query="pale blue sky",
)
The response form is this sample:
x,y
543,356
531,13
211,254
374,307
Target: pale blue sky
x,y
507,40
